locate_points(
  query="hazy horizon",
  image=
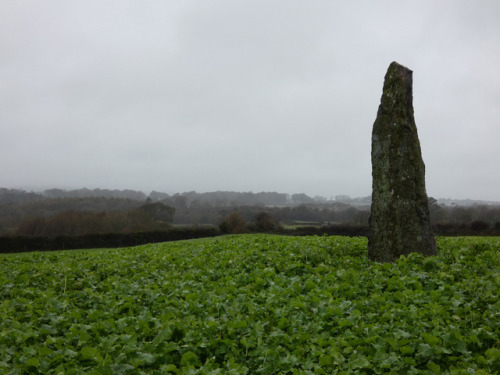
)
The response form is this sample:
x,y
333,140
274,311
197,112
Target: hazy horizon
x,y
147,192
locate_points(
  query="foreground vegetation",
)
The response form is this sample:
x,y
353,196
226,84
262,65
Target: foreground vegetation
x,y
252,304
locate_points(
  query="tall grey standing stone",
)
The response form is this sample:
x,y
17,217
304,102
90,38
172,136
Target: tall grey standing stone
x,y
400,220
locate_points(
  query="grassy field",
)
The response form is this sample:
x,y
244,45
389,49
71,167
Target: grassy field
x,y
252,304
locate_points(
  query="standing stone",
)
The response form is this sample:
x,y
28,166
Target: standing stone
x,y
400,220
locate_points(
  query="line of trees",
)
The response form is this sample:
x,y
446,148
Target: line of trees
x,y
217,198
79,212
236,222
148,217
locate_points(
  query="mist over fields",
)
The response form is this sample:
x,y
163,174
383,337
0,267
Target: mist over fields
x,y
56,212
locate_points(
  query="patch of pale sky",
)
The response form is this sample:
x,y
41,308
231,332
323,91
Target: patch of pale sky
x,y
251,95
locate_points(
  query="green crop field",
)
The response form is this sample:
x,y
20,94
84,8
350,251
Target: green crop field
x,y
252,304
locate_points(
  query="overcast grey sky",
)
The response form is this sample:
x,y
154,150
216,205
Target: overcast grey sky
x,y
250,95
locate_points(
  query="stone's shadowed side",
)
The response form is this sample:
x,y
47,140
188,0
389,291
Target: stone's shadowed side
x,y
400,220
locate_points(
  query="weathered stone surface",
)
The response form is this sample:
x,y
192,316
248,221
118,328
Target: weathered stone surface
x,y
400,220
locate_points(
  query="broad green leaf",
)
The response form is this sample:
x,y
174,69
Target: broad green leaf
x,y
358,361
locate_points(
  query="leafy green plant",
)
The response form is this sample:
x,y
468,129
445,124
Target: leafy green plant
x,y
251,304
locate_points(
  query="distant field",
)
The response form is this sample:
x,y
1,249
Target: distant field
x,y
252,304
303,224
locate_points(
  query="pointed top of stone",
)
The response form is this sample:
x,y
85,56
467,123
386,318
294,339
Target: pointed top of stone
x,y
396,65
398,89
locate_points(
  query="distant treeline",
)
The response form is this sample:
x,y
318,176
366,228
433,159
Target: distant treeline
x,y
59,212
217,198
148,217
235,222
56,212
